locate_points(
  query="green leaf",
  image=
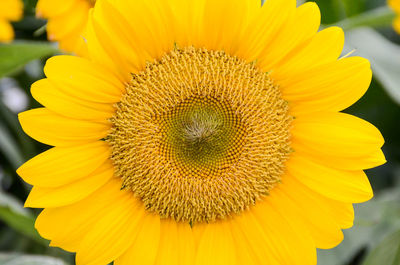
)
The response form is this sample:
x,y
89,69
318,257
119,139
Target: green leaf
x,y
379,17
383,55
9,148
20,259
14,56
15,216
387,252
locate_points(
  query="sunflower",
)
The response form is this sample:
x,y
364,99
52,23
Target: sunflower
x,y
395,4
201,132
66,22
10,10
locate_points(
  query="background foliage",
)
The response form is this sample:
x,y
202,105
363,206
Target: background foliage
x,y
375,238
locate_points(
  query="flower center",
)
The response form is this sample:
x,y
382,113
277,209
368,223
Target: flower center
x,y
200,135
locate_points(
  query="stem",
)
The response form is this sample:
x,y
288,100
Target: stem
x,y
382,16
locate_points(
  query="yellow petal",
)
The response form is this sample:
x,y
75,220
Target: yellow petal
x,y
338,140
65,24
188,21
246,255
50,96
83,79
341,185
299,28
265,26
331,87
224,32
342,212
100,55
113,233
66,226
278,236
40,197
325,47
185,245
52,129
320,222
146,244
50,8
126,46
216,245
176,244
63,165
167,252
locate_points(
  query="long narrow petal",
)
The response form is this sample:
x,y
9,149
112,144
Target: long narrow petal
x,y
63,165
50,128
216,245
144,249
341,185
40,197
338,140
50,96
331,87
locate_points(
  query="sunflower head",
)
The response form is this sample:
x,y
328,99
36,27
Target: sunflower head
x,y
211,124
201,132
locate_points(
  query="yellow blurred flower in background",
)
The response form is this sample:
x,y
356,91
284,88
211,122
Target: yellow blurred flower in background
x,y
395,4
66,22
10,10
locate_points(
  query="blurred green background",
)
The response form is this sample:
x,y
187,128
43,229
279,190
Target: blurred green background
x,y
375,237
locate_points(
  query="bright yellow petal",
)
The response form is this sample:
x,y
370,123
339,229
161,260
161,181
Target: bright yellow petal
x,y
263,29
113,233
338,140
146,244
320,222
83,79
63,165
299,28
341,185
185,245
331,87
50,96
69,22
216,245
52,129
176,244
280,238
66,226
342,212
325,47
50,8
246,255
40,197
224,32
120,43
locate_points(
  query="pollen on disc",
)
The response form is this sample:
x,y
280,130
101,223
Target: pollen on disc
x,y
200,135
